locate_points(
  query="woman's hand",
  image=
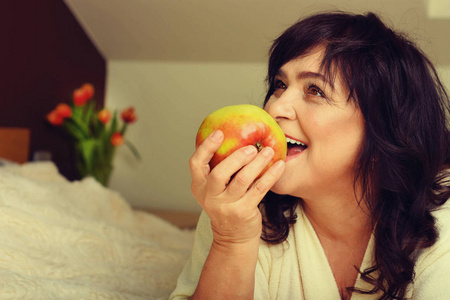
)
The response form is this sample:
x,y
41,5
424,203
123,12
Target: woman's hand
x,y
229,193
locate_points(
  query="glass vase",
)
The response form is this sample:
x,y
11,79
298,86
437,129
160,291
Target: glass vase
x,y
94,158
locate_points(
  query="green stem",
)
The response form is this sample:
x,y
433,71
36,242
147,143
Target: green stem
x,y
83,128
124,129
133,149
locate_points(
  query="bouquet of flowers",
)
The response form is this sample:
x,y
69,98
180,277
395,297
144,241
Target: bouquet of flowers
x,y
96,132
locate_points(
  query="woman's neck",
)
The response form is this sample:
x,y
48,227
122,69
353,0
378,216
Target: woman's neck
x,y
343,228
339,218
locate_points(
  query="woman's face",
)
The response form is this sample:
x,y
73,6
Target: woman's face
x,y
324,130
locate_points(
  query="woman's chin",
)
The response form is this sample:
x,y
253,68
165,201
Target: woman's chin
x,y
278,188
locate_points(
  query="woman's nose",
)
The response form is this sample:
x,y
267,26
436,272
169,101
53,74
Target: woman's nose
x,y
281,108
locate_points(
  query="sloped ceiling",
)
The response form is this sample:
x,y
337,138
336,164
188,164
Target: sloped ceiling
x,y
238,30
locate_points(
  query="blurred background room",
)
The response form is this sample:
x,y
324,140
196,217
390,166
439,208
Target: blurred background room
x,y
174,61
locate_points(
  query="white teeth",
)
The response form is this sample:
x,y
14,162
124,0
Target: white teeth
x,y
291,141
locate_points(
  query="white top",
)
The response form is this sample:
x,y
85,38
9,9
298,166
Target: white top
x,y
299,269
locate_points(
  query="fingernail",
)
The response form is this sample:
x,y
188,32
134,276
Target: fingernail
x,y
217,135
250,150
267,152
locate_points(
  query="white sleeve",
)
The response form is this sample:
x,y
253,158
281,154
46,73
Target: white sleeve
x,y
190,275
433,266
434,281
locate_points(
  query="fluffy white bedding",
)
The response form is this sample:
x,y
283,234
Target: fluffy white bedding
x,y
78,240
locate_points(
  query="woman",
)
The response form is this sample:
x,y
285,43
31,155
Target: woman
x,y
358,209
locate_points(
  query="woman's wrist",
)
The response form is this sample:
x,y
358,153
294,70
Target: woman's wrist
x,y
236,249
229,265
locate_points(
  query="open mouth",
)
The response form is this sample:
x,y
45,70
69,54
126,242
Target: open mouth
x,y
294,146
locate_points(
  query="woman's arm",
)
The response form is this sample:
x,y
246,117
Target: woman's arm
x,y
232,206
228,273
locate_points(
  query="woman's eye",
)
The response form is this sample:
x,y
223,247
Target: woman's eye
x,y
315,91
280,85
279,88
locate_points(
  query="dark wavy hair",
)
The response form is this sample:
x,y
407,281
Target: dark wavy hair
x,y
403,161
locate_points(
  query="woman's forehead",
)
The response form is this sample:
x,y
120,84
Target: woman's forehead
x,y
312,62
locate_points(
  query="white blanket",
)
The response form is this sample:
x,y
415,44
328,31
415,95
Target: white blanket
x,y
79,240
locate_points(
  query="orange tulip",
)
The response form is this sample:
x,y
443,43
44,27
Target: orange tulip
x,y
88,90
128,115
104,116
55,118
64,110
79,97
117,139
83,94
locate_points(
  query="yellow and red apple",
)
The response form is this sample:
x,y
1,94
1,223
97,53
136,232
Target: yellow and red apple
x,y
243,125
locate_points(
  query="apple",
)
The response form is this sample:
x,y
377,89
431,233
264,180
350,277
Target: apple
x,y
243,125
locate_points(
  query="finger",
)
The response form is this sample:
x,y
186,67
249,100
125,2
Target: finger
x,y
260,187
245,177
221,174
199,161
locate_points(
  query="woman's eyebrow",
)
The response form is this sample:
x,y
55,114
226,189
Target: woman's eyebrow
x,y
307,74
303,75
280,73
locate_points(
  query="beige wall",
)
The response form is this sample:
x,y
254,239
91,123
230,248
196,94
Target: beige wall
x,y
171,100
444,73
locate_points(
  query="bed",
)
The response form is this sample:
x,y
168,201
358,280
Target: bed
x,y
79,240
